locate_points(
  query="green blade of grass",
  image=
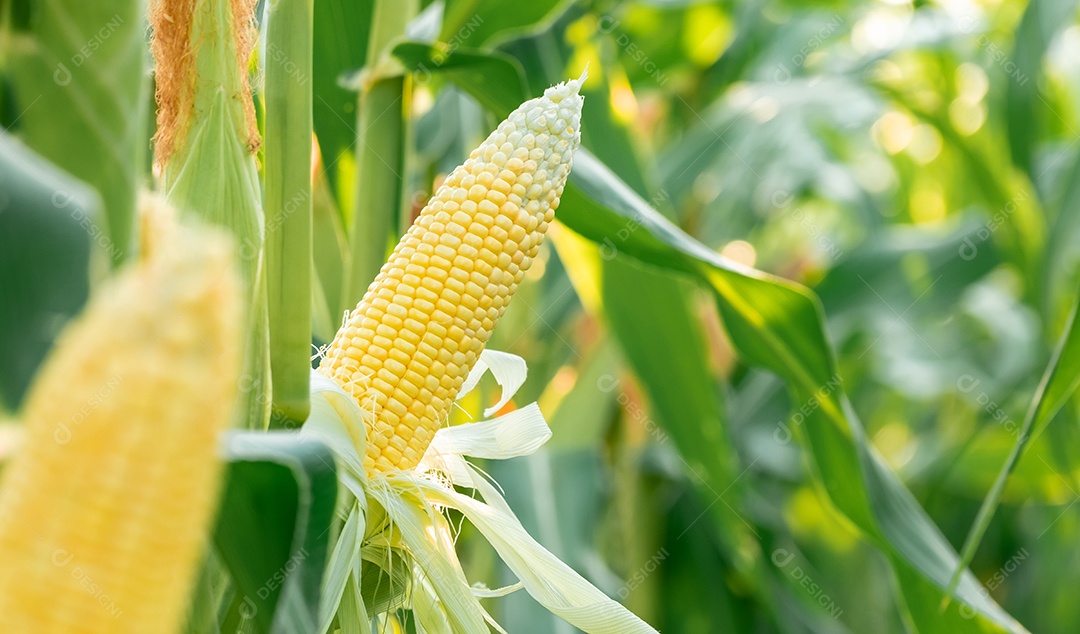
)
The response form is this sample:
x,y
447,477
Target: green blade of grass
x,y
1059,382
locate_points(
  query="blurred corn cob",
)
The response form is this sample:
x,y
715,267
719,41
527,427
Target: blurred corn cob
x,y
406,349
104,510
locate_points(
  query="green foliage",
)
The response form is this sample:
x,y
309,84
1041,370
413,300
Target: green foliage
x,y
272,534
48,222
809,269
77,73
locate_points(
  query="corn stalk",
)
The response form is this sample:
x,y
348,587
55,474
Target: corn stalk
x,y
381,133
287,190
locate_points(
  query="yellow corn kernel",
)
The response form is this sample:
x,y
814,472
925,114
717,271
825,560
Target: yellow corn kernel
x,y
450,278
104,510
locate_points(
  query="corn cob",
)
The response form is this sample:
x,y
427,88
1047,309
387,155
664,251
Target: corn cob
x,y
104,511
410,343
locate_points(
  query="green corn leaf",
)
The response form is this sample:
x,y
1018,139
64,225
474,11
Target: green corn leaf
x,y
330,253
779,325
1040,24
273,531
1061,243
48,221
340,45
78,73
650,313
381,142
475,22
378,183
495,79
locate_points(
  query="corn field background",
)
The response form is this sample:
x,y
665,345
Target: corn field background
x,y
803,330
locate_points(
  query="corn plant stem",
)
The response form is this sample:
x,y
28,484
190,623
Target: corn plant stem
x,y
379,166
382,120
388,21
287,202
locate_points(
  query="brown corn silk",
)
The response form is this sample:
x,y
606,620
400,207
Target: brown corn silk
x,y
175,47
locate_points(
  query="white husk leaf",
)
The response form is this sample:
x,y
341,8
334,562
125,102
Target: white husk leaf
x,y
412,500
508,369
